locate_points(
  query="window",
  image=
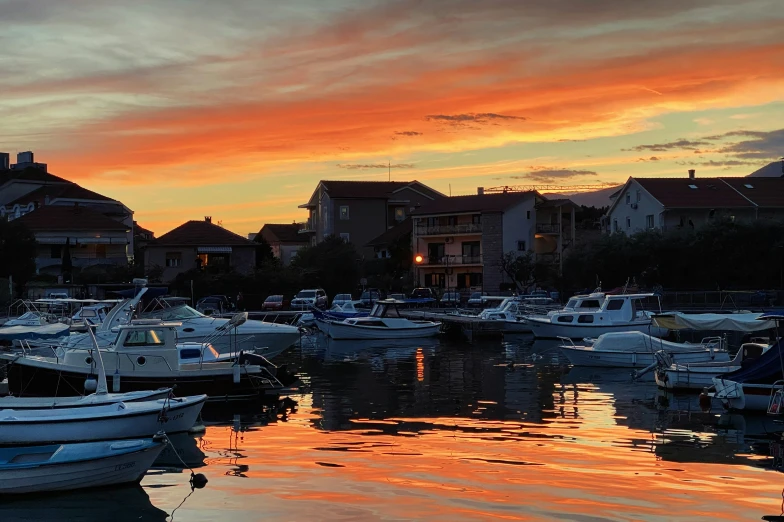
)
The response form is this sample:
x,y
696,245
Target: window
x,y
476,219
400,213
615,225
344,212
345,236
590,303
435,280
471,251
527,214
435,253
56,252
585,318
432,222
451,220
174,259
748,186
693,187
565,319
145,337
639,196
521,246
649,221
615,304
628,198
628,222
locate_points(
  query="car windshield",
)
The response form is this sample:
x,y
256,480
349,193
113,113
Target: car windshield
x,y
476,295
274,299
369,295
307,293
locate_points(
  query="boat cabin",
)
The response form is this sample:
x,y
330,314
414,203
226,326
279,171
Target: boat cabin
x,y
607,309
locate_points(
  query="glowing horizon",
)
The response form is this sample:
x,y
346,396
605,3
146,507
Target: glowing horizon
x,y
238,110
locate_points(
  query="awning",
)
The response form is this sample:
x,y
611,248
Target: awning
x,y
740,322
214,250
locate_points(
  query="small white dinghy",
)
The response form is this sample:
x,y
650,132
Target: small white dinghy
x,y
60,467
637,350
93,399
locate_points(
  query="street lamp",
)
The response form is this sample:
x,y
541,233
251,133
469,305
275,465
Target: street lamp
x,y
418,260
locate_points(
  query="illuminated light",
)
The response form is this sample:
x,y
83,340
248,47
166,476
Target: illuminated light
x,y
418,259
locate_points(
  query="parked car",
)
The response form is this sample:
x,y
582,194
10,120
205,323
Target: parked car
x,y
476,300
451,298
274,302
423,293
341,299
214,304
307,299
369,297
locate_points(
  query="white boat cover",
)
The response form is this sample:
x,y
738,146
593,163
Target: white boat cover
x,y
46,331
639,342
741,322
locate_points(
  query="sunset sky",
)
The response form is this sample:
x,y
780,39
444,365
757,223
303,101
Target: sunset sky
x,y
237,108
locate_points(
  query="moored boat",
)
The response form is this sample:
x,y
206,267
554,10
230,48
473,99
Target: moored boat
x,y
61,467
384,322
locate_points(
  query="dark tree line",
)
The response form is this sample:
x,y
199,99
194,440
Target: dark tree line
x,y
722,255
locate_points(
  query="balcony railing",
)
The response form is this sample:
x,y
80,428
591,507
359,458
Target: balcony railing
x,y
548,228
306,228
452,260
435,230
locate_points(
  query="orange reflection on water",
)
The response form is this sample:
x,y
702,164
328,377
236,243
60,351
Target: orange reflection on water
x,y
587,460
420,364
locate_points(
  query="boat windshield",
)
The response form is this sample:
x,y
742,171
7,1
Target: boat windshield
x,y
177,313
28,316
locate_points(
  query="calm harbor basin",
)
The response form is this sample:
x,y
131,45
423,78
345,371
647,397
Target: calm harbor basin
x,y
442,431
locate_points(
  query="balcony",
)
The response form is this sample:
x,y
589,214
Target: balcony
x,y
307,228
548,228
448,261
449,230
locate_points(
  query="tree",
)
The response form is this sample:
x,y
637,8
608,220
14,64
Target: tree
x,y
264,253
332,264
17,252
525,271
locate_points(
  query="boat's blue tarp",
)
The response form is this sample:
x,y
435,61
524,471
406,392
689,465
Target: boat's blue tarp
x,y
47,331
766,369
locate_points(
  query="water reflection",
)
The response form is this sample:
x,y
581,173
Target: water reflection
x,y
389,431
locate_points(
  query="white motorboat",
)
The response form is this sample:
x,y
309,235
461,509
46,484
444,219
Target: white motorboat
x,y
697,376
267,339
145,355
384,322
510,313
62,467
637,350
32,324
94,399
596,314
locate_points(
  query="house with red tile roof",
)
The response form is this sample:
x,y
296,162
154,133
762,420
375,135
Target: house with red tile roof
x,y
200,244
462,239
360,211
689,202
28,185
93,239
284,238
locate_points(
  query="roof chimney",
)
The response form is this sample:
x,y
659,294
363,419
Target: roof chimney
x,y
208,219
480,191
691,173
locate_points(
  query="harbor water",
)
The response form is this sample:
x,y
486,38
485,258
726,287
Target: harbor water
x,y
435,430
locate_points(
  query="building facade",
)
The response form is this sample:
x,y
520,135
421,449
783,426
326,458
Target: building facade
x,y
690,202
284,239
200,244
27,185
462,240
360,211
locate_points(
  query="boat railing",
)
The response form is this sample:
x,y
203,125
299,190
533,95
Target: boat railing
x,y
776,401
567,341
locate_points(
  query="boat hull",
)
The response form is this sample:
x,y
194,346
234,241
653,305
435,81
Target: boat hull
x,y
108,471
120,421
341,331
36,403
268,344
736,396
684,378
26,380
587,356
544,329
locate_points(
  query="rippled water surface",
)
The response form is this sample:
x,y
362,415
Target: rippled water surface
x,y
453,432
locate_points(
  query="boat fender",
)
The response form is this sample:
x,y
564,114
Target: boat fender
x,y
236,374
198,480
116,381
90,384
705,402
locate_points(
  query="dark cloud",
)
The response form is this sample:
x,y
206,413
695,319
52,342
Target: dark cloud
x,y
408,133
720,163
652,158
358,166
481,118
549,175
663,147
762,146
